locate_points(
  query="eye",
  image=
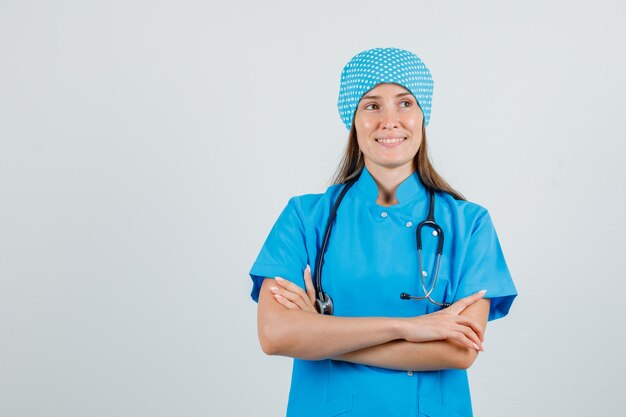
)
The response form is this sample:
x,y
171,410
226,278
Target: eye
x,y
369,105
408,103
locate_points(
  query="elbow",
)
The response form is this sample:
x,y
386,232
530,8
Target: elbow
x,y
466,358
268,340
273,338
267,347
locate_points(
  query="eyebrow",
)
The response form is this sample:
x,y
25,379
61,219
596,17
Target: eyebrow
x,y
377,97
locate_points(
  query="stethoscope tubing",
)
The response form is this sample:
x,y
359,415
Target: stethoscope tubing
x,y
331,218
325,303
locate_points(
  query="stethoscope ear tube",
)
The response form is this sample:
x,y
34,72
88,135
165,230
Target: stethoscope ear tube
x,y
437,231
430,222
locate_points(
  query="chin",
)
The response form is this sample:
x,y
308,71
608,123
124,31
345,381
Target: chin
x,y
393,164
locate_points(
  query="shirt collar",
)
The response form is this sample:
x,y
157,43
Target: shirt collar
x,y
410,188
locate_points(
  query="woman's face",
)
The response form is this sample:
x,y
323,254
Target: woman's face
x,y
388,125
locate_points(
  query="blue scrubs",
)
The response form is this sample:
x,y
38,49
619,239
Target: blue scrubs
x,y
371,259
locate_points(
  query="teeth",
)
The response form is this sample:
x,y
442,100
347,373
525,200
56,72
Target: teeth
x,y
393,140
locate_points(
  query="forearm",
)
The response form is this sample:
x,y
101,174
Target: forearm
x,y
423,356
403,355
303,335
298,331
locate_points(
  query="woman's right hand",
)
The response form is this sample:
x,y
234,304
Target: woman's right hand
x,y
448,324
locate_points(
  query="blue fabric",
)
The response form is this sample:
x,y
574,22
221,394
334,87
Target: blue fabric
x,y
370,260
383,65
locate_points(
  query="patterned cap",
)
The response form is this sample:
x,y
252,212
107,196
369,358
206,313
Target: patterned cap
x,y
383,65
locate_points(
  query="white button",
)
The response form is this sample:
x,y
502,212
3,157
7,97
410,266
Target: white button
x,y
435,233
410,373
409,224
383,214
424,273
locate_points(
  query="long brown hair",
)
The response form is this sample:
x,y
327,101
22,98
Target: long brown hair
x,y
353,162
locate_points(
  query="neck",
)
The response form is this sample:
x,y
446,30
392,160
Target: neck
x,y
387,180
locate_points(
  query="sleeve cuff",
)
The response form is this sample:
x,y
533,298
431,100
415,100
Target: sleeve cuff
x,y
261,271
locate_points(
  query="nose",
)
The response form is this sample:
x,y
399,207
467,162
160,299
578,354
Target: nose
x,y
389,119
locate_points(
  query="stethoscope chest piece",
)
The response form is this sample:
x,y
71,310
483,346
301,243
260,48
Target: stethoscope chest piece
x,y
324,304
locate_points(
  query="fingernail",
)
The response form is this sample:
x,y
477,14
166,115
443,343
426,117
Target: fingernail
x,y
308,267
476,346
273,289
482,291
279,279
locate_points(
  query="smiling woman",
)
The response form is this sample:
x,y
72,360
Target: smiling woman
x,y
389,128
390,116
368,351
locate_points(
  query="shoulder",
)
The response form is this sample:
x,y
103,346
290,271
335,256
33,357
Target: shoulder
x,y
312,210
467,212
309,204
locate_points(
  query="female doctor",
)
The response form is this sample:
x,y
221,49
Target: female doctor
x,y
376,353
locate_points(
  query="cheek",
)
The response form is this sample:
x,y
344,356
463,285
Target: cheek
x,y
414,124
364,125
363,145
364,129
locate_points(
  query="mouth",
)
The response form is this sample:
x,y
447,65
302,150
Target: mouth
x,y
391,142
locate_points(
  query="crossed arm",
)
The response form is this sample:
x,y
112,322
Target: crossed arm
x,y
289,326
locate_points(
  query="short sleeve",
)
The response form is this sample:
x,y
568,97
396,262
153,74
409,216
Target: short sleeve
x,y
284,252
485,268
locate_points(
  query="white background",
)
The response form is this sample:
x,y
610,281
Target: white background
x,y
147,147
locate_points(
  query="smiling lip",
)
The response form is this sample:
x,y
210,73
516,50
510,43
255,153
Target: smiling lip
x,y
391,142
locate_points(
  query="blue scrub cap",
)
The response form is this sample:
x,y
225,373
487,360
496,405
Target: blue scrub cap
x,y
383,65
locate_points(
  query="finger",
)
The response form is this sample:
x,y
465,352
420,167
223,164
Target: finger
x,y
465,336
465,302
291,287
469,333
295,299
474,324
308,283
292,297
286,302
458,306
463,341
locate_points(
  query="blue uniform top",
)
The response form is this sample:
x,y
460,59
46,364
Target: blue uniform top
x,y
371,258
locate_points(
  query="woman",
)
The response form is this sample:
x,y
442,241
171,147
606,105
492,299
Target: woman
x,y
380,354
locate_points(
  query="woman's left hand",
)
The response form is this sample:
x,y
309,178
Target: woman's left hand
x,y
292,296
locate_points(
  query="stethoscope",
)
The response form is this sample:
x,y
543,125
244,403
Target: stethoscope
x,y
324,303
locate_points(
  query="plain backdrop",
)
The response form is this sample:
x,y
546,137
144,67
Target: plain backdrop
x,y
147,147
